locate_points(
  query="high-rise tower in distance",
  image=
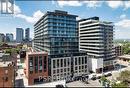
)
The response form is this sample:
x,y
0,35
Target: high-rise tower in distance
x,y
19,35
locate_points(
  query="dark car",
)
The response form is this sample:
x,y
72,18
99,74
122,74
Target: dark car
x,y
109,74
59,86
98,77
93,78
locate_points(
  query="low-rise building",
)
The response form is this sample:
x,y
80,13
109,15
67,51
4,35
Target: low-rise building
x,y
5,57
69,66
124,60
118,50
6,74
36,67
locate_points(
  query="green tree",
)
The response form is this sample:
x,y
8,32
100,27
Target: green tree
x,y
120,85
104,81
126,47
8,51
124,76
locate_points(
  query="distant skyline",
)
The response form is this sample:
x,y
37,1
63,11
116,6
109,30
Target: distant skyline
x,y
28,12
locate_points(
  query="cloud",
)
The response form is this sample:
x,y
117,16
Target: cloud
x,y
78,18
127,4
114,4
122,16
31,19
124,23
90,4
93,4
62,3
17,10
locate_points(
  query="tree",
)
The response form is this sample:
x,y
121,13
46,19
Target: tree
x,y
119,85
104,81
124,76
8,51
126,47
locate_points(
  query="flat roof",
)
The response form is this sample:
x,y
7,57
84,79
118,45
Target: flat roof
x,y
125,56
5,64
1,54
31,53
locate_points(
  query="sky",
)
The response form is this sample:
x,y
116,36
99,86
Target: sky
x,y
27,13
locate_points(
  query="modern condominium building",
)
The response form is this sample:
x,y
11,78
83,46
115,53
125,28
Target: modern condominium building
x,y
19,35
96,38
56,33
27,34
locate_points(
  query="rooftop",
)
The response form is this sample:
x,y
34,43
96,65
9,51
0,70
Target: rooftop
x,y
2,54
30,53
125,56
5,64
91,18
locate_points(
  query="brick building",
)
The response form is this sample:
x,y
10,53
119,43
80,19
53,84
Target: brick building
x,y
36,66
6,74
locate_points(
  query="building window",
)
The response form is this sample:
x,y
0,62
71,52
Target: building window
x,y
75,61
82,60
75,68
61,70
64,62
40,63
54,63
57,70
68,62
85,66
45,63
64,69
85,60
68,69
6,79
54,71
36,64
58,63
79,61
61,62
82,67
30,65
79,67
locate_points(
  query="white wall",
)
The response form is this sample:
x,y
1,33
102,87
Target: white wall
x,y
96,63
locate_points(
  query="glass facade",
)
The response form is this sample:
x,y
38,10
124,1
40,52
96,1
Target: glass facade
x,y
57,33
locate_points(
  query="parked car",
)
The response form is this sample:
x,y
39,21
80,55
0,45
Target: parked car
x,y
59,86
98,77
93,77
109,74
